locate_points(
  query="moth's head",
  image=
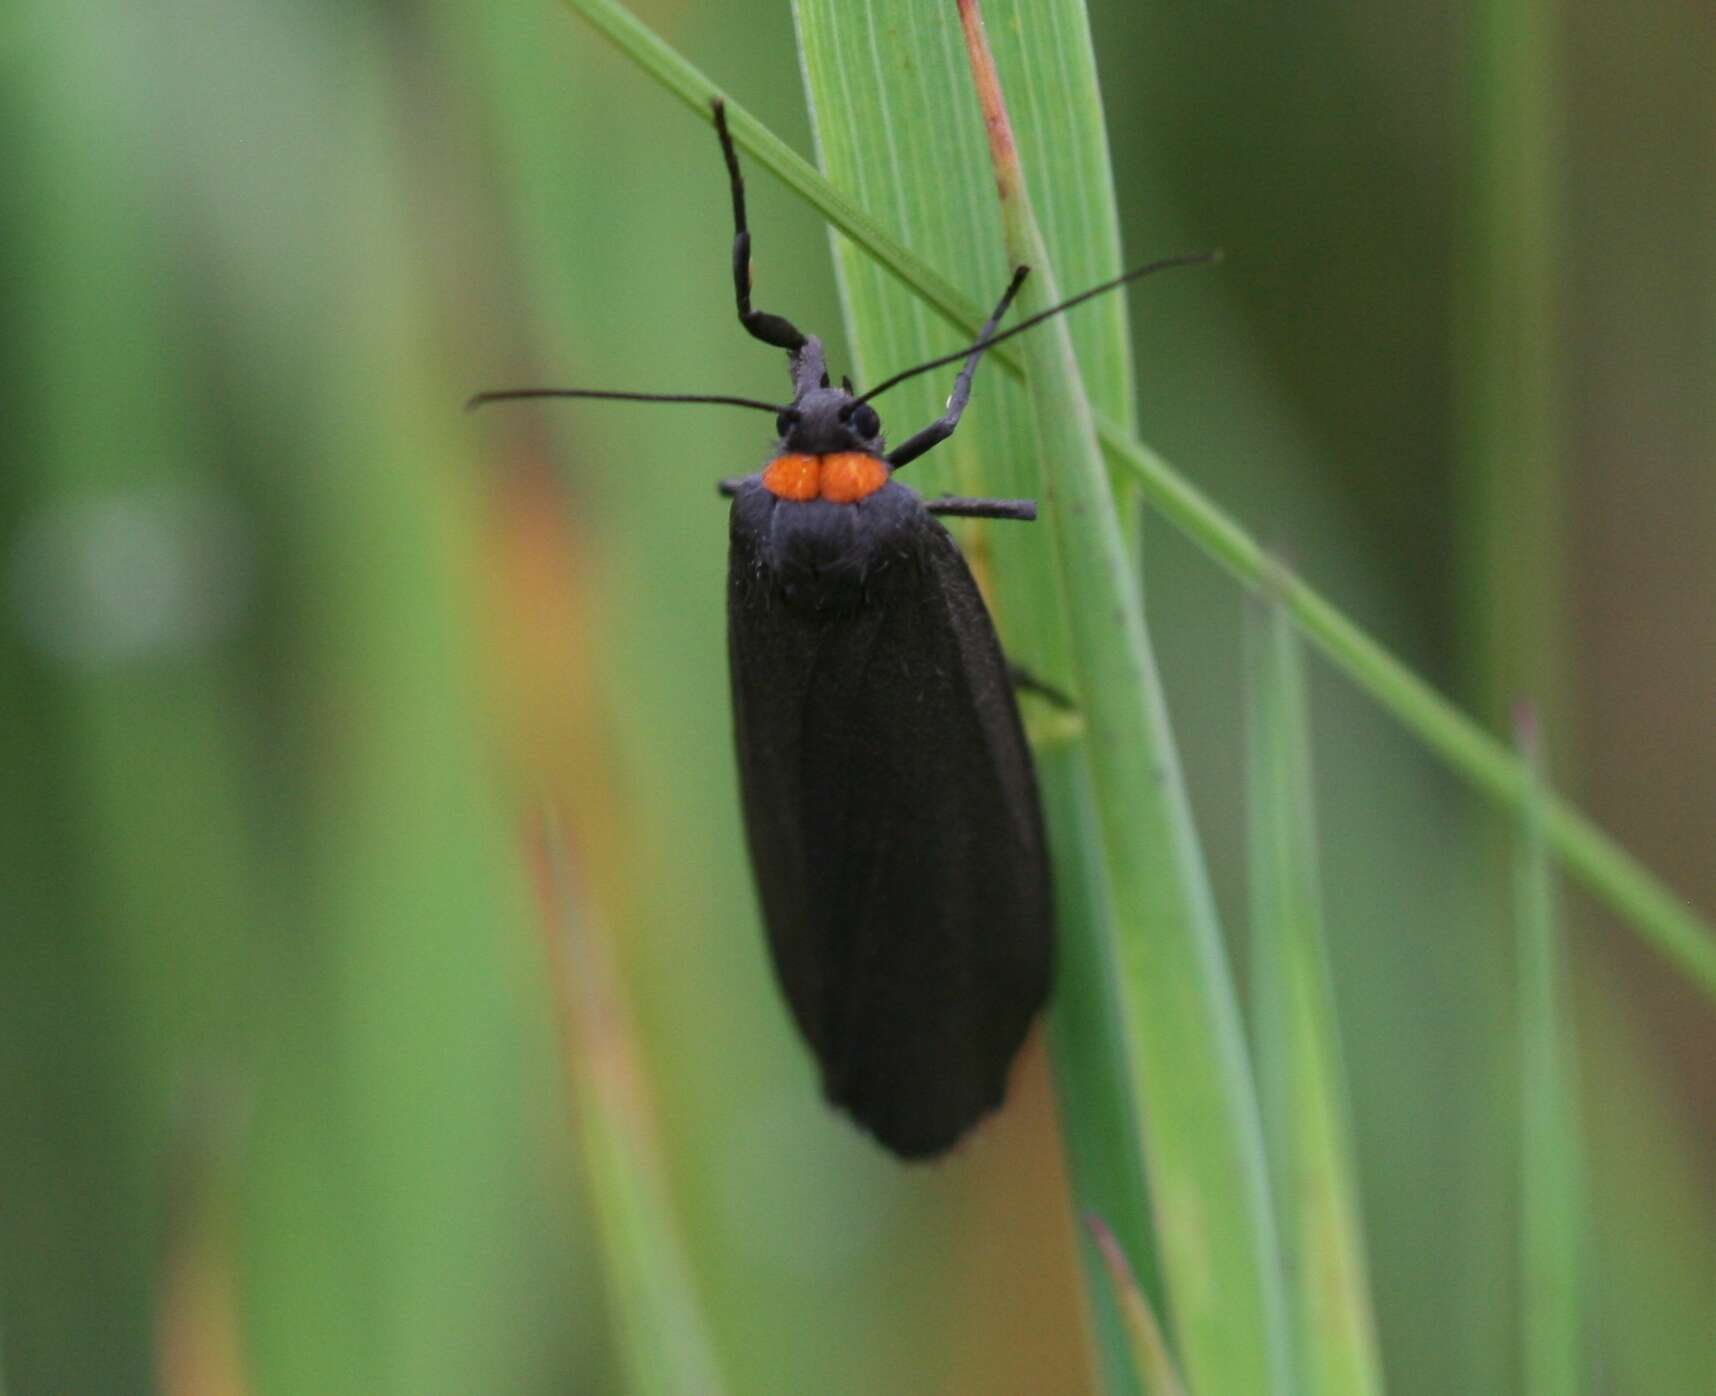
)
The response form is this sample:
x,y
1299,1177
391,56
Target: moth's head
x,y
830,448
824,421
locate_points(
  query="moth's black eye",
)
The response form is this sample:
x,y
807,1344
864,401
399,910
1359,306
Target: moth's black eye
x,y
784,422
865,421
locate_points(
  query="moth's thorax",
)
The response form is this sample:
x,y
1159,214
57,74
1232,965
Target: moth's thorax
x,y
840,477
823,557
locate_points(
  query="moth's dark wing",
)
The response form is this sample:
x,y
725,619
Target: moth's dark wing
x,y
892,815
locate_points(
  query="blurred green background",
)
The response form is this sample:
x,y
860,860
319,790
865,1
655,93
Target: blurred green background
x,y
329,1062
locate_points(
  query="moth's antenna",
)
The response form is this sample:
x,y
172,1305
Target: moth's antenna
x,y
519,394
1187,259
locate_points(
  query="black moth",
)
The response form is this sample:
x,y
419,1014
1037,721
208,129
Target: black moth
x,y
890,802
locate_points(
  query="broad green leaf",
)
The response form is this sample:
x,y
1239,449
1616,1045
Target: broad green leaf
x,y
896,126
899,122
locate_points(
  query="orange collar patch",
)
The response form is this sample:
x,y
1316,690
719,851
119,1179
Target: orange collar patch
x,y
843,477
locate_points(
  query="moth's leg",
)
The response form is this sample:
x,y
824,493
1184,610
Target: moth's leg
x,y
771,329
1027,682
942,428
1021,510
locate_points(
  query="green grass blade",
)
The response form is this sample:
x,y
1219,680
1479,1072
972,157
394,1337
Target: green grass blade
x,y
1301,1079
1278,891
1609,871
1510,362
1203,1144
1511,352
1094,1083
1660,917
1149,1345
867,66
663,1338
1550,1151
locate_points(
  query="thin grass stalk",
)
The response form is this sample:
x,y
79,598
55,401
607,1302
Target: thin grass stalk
x,y
1150,1355
662,1334
1297,1033
1508,363
1551,1243
1094,1084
